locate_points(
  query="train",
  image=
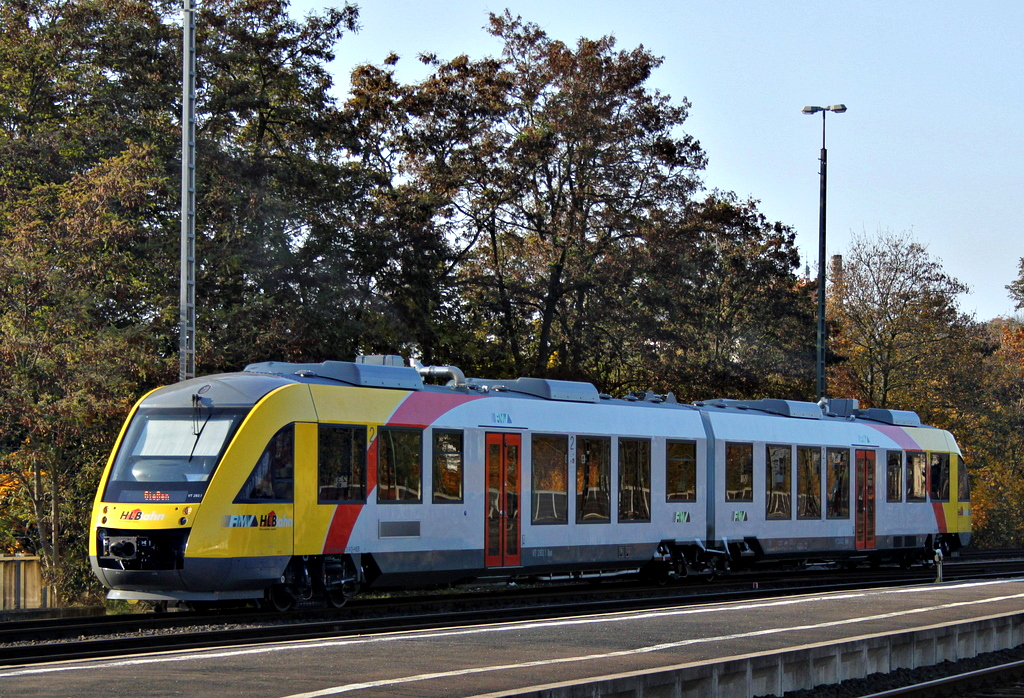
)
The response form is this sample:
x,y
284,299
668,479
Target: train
x,y
291,483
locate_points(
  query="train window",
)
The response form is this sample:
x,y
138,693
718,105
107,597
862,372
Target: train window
x,y
399,465
939,480
634,480
739,472
272,477
808,482
341,464
593,480
778,482
169,455
838,483
447,467
963,486
894,476
681,471
917,468
550,466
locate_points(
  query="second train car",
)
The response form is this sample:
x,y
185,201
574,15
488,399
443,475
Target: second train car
x,y
290,482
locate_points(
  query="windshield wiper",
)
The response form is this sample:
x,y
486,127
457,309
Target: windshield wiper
x,y
197,428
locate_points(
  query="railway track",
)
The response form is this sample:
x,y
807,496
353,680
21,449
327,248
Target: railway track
x,y
28,642
1002,680
993,675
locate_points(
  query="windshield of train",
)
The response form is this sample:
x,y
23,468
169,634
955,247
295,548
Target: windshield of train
x,y
170,455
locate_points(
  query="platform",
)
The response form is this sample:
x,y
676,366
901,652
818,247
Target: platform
x,y
758,647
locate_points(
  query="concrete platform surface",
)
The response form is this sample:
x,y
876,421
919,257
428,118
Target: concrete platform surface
x,y
685,646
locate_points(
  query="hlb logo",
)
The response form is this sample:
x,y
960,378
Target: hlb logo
x,y
137,515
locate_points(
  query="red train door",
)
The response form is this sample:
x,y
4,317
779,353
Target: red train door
x,y
865,500
503,471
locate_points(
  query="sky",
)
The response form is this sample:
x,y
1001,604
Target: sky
x,y
931,143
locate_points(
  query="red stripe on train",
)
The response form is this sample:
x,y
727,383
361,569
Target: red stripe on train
x,y
346,515
423,409
418,409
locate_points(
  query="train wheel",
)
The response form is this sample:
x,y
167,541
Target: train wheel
x,y
338,598
279,598
655,572
338,581
713,568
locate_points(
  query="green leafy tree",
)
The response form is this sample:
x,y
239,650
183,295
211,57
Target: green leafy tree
x,y
553,192
77,81
272,183
89,139
1016,288
81,222
404,261
722,311
71,357
547,165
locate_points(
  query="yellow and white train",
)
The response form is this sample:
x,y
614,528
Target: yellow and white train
x,y
291,482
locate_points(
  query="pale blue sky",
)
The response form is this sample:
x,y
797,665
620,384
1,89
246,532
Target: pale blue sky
x,y
931,143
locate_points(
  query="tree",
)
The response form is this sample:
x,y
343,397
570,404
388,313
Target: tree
x,y
90,234
272,183
77,81
553,192
72,349
896,322
1016,288
82,212
721,309
549,165
994,442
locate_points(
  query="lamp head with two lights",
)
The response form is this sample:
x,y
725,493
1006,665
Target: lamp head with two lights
x,y
837,108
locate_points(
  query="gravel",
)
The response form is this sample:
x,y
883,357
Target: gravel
x,y
876,683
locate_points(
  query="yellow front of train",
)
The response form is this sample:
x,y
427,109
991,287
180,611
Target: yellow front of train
x,y
158,527
956,510
948,486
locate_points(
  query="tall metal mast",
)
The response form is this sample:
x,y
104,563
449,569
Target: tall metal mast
x,y
820,363
187,317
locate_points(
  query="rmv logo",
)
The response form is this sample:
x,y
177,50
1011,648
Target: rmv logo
x,y
270,520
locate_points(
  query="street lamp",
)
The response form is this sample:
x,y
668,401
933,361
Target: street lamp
x,y
838,109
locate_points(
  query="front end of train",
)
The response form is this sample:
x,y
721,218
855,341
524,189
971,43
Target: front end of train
x,y
149,508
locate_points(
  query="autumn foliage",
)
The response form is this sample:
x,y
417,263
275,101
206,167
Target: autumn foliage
x,y
537,212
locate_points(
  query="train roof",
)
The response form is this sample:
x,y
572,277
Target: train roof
x,y
390,372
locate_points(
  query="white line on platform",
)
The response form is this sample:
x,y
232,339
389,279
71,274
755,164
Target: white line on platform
x,y
346,688
512,626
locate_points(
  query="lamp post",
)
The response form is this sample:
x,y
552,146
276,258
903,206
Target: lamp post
x,y
838,109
